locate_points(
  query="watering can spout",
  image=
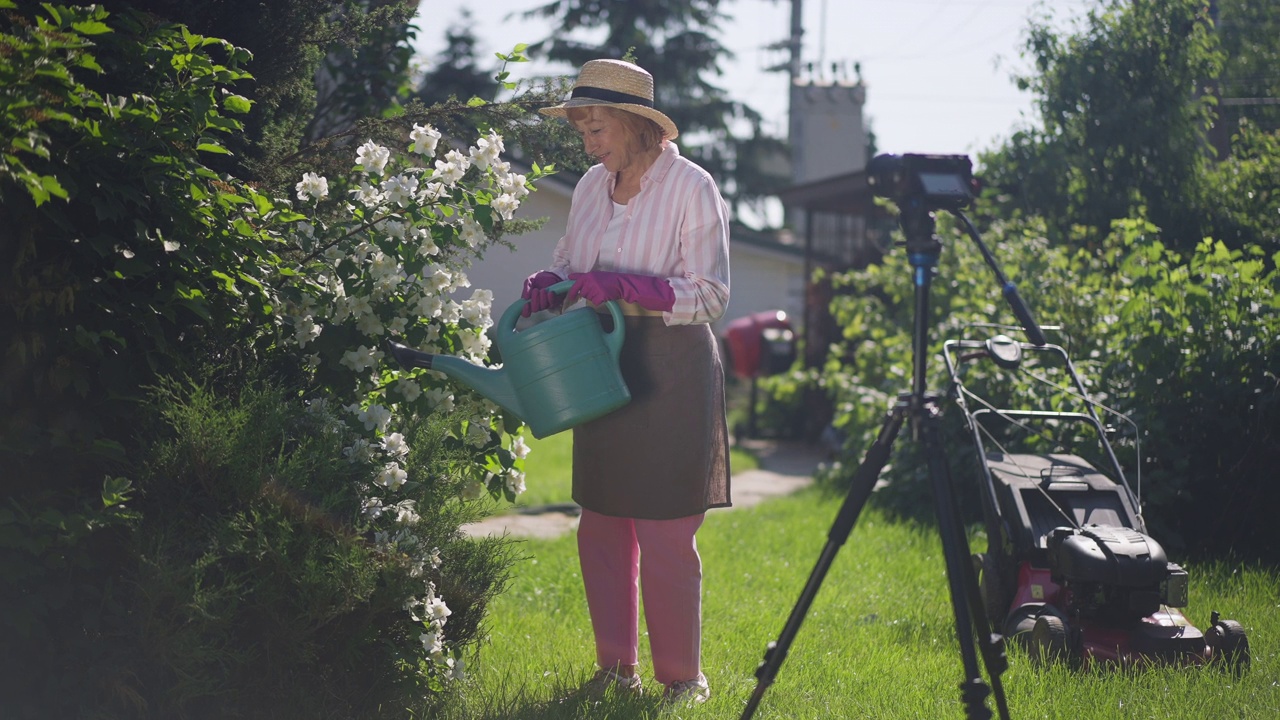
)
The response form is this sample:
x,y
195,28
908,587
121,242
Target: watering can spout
x,y
494,384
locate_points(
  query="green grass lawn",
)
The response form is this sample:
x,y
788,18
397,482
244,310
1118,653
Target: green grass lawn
x,y
878,642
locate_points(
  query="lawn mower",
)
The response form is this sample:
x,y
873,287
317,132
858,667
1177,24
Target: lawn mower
x,y
1069,570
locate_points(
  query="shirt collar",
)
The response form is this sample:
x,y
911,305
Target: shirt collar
x,y
657,172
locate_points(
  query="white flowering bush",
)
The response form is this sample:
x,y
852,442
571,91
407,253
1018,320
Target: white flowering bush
x,y
385,254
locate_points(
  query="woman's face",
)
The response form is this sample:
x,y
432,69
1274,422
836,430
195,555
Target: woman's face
x,y
605,138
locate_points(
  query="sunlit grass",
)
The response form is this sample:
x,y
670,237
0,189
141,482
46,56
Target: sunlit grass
x,y
878,642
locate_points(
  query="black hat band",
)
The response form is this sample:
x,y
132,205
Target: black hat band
x,y
596,93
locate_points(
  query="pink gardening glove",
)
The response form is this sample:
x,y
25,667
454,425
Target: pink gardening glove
x,y
535,291
647,291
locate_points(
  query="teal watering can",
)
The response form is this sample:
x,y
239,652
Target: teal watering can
x,y
556,374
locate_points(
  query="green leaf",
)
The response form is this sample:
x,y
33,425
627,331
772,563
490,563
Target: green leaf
x,y
115,490
91,27
237,104
228,283
212,148
108,449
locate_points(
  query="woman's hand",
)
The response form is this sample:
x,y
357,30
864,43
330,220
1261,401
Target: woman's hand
x,y
647,291
535,291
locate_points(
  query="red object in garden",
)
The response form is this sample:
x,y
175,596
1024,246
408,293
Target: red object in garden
x,y
760,344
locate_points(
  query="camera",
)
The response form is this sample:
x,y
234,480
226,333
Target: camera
x,y
937,181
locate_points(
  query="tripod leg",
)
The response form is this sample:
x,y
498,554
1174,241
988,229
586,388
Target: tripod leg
x,y
864,480
963,584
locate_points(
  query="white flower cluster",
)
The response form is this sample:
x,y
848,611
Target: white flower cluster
x,y
394,269
432,612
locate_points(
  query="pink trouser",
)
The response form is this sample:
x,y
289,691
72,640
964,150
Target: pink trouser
x,y
621,556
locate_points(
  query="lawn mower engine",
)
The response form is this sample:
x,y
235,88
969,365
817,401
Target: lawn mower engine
x,y
1113,573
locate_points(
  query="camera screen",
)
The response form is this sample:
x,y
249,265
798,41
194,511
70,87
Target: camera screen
x,y
944,185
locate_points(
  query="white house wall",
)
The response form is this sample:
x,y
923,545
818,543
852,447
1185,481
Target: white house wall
x,y
764,280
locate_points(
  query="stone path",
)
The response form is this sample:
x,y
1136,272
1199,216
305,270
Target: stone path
x,y
785,466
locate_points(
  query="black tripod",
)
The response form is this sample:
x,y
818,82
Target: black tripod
x,y
921,408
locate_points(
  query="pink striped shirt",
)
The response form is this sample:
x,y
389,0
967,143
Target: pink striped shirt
x,y
677,227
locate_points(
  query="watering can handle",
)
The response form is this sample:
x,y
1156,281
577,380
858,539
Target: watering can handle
x,y
613,339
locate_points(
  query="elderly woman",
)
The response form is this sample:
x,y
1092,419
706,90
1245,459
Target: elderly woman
x,y
649,229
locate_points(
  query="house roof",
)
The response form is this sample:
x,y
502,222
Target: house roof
x,y
740,235
847,194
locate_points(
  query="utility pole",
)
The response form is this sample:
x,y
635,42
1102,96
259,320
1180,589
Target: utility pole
x,y
794,126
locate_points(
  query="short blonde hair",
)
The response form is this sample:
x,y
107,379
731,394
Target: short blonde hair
x,y
642,133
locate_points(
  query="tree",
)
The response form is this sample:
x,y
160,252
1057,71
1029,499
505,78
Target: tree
x,y
181,535
1248,31
675,41
454,74
1125,108
365,43
1139,115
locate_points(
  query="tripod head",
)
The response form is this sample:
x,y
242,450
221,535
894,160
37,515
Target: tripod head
x,y
920,184
927,182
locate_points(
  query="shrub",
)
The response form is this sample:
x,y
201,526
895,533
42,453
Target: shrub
x,y
132,261
264,588
1185,346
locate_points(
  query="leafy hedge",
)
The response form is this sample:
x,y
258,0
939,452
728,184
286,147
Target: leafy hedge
x,y
260,593
179,535
1188,347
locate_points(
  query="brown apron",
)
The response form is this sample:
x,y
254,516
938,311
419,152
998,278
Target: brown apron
x,y
665,454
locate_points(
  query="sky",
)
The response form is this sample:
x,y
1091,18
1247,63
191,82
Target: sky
x,y
937,72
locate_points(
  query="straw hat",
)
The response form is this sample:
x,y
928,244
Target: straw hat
x,y
617,84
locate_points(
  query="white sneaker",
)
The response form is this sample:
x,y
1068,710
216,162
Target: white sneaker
x,y
687,692
606,678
